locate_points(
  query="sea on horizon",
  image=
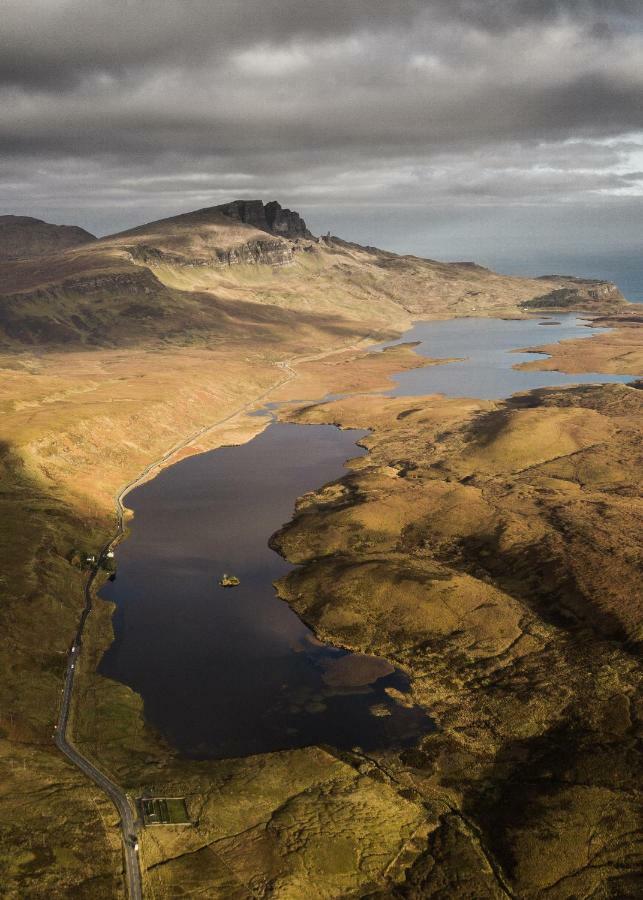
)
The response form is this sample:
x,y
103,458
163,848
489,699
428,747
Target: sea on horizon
x,y
625,270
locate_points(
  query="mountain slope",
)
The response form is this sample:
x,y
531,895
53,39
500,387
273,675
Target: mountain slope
x,y
22,237
168,279
177,330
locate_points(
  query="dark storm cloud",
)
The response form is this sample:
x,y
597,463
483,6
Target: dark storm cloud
x,y
158,105
58,43
52,42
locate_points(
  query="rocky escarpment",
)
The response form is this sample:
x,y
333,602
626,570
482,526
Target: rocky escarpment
x,y
22,237
271,217
136,281
243,232
269,253
577,293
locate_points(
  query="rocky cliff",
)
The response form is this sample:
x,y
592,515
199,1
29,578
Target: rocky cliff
x,y
271,217
22,237
577,293
168,277
241,232
255,252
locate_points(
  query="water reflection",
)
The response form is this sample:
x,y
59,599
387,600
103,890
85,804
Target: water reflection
x,y
229,672
487,371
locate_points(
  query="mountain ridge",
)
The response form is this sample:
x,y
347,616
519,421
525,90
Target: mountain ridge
x,y
168,280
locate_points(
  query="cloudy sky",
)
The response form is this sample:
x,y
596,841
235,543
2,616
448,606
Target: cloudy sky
x,y
498,130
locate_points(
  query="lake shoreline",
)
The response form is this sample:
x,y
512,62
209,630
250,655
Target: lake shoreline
x,y
403,344
127,750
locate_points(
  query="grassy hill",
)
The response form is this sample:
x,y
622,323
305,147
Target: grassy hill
x,y
22,237
113,351
174,280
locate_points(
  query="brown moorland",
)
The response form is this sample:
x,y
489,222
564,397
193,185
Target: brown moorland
x,y
492,550
22,237
617,351
117,351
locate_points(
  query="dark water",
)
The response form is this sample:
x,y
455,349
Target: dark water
x,y
487,344
234,672
230,672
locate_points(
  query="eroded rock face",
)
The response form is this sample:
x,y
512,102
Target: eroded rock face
x,y
577,293
271,217
268,253
22,237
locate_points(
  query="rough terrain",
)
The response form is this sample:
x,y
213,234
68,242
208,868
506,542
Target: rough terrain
x,y
620,350
493,551
215,273
115,351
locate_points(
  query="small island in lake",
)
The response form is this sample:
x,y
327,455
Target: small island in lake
x,y
228,580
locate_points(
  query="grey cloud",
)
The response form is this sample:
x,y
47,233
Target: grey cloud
x,y
60,43
122,110
344,99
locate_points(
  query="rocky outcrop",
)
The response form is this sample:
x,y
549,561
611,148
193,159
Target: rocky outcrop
x,y
285,222
22,237
244,232
137,281
577,293
271,217
269,253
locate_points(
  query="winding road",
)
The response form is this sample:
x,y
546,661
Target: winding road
x,y
129,821
129,825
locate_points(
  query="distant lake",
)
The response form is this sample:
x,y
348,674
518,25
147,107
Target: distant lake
x,y
489,345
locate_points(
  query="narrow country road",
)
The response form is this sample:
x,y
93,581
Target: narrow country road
x,y
129,823
113,791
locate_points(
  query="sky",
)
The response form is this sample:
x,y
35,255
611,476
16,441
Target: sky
x,y
505,131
